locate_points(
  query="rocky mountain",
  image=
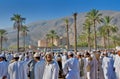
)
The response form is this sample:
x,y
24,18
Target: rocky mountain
x,y
38,30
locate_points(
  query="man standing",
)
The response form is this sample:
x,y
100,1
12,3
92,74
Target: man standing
x,y
107,65
51,68
71,67
117,63
16,70
94,66
3,68
81,63
39,67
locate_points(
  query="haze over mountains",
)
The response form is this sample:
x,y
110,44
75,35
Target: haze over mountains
x,y
38,30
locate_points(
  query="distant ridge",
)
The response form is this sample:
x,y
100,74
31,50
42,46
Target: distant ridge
x,y
39,29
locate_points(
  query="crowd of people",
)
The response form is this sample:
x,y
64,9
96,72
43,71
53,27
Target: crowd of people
x,y
100,64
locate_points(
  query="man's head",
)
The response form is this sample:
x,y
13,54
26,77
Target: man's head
x,y
16,56
118,50
36,57
1,58
79,55
70,54
49,56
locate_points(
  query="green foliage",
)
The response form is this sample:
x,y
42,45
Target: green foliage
x,y
82,44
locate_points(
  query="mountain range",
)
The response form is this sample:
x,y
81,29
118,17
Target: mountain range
x,y
39,29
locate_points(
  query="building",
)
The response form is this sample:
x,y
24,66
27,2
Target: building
x,y
57,42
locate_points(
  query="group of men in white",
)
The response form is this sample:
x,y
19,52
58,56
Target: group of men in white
x,y
101,64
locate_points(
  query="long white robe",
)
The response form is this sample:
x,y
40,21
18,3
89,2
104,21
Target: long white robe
x,y
71,68
17,70
3,69
85,70
96,71
117,66
64,59
39,69
51,70
107,65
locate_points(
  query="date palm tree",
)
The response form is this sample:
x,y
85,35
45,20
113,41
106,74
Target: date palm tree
x,y
2,36
67,30
18,20
94,16
108,27
75,31
87,27
24,31
102,34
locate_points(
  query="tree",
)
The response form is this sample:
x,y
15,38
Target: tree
x,y
94,16
18,20
2,36
87,27
75,32
82,40
24,31
103,34
52,35
115,39
67,30
108,27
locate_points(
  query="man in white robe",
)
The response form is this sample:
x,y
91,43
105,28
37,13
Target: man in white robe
x,y
51,70
94,67
81,64
39,67
117,63
71,67
3,68
16,70
107,65
64,58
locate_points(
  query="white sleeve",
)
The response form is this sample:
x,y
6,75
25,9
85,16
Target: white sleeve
x,y
88,75
55,71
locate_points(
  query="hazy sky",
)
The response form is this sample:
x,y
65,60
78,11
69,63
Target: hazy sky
x,y
36,10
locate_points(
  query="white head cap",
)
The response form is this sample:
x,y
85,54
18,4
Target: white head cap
x,y
16,55
48,53
70,53
36,55
78,53
118,48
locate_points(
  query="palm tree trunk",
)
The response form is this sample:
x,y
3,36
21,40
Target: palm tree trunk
x,y
104,43
89,43
75,30
108,39
18,28
114,42
95,41
1,42
67,37
52,44
24,42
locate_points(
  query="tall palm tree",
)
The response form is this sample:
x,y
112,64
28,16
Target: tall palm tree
x,y
108,27
94,16
2,34
67,30
75,31
18,20
24,31
103,34
87,27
